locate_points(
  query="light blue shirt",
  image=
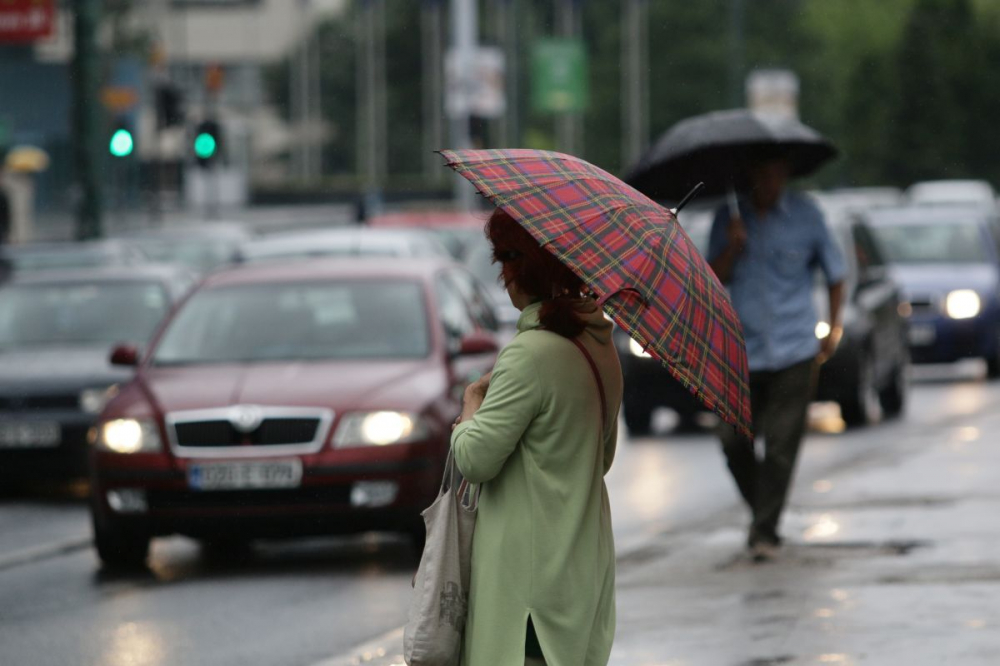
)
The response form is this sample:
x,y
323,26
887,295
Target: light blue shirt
x,y
772,280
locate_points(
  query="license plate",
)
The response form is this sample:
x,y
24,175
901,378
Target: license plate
x,y
245,474
922,334
29,434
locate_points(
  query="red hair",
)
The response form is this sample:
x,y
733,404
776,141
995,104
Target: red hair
x,y
537,273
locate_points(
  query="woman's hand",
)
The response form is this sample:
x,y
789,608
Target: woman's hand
x,y
473,398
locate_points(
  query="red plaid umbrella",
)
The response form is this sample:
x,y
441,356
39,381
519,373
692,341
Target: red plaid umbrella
x,y
634,255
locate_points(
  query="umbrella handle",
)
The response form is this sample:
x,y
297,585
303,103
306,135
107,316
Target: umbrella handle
x,y
687,197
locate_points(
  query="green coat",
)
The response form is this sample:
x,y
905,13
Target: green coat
x,y
543,545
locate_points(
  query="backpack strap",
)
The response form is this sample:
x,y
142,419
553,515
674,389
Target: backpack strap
x,y
597,376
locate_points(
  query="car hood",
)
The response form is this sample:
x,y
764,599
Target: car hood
x,y
937,278
337,385
58,368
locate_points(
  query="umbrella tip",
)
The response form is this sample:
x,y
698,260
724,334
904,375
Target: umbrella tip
x,y
687,198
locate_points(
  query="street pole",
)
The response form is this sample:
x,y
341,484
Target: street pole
x,y
506,26
736,54
431,42
635,81
371,101
463,38
569,126
86,125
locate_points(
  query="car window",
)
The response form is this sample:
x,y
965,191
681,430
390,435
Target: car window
x,y
866,249
298,321
455,316
957,243
479,304
80,313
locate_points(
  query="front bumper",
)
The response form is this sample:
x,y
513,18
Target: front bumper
x,y
325,501
943,340
32,461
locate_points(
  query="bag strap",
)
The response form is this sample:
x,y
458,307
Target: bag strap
x,y
597,376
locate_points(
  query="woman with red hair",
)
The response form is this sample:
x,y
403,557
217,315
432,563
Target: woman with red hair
x,y
539,435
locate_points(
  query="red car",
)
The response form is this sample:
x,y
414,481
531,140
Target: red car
x,y
289,400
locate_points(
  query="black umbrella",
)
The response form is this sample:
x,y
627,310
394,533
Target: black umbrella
x,y
716,147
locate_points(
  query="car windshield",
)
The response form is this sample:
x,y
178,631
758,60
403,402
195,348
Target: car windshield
x,y
79,313
298,321
917,243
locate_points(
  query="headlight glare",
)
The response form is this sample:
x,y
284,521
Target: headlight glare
x,y
379,429
962,304
637,349
128,436
93,400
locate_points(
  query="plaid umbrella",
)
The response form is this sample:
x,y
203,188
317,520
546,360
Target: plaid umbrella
x,y
634,255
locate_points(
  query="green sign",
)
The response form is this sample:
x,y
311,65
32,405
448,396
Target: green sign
x,y
559,76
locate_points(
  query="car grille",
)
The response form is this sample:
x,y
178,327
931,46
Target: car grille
x,y
224,432
271,432
40,403
923,305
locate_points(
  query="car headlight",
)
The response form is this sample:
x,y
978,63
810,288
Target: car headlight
x,y
962,304
379,429
93,400
822,329
128,436
637,349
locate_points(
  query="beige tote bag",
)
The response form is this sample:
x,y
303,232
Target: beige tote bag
x,y
436,622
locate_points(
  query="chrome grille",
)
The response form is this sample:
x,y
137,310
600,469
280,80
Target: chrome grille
x,y
248,430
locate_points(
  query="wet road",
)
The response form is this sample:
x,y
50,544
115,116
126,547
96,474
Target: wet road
x,y
300,603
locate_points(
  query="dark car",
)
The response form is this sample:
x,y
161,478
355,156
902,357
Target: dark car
x,y
865,376
343,242
948,263
56,331
291,399
71,255
201,247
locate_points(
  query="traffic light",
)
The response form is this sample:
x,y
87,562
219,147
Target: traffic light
x,y
207,142
122,143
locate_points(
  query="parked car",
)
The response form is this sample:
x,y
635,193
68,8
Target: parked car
x,y
56,331
479,260
456,230
866,375
71,255
343,242
947,260
202,247
290,399
952,192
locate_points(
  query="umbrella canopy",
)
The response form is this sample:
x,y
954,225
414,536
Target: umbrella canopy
x,y
716,148
632,253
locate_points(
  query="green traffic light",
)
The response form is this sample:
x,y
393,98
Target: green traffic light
x,y
204,145
121,143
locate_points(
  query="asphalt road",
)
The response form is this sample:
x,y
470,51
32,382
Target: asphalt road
x,y
300,603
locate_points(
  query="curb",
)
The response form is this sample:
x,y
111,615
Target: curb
x,y
44,552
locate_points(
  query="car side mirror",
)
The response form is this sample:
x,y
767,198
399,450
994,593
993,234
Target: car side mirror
x,y
127,355
477,342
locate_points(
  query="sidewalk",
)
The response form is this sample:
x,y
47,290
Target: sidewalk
x,y
893,561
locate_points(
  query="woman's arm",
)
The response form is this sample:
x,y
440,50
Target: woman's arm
x,y
483,442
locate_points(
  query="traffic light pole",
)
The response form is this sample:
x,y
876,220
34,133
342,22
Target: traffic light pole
x,y
86,128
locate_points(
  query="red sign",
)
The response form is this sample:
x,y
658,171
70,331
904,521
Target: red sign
x,y
26,20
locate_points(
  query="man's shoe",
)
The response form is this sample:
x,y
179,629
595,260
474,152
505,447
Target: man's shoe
x,y
764,551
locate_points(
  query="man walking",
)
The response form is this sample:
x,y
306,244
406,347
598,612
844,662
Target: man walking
x,y
766,254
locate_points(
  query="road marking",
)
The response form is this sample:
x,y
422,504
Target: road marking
x,y
45,551
385,650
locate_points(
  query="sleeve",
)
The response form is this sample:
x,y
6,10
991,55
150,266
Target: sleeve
x,y
828,254
482,444
717,236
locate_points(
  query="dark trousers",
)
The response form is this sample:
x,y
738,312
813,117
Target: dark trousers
x,y
779,400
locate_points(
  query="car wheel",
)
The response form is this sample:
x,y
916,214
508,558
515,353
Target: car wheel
x,y
119,548
861,406
687,422
418,537
893,396
993,364
638,419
